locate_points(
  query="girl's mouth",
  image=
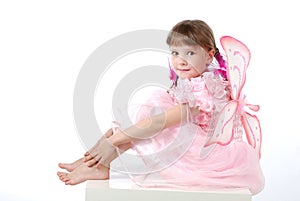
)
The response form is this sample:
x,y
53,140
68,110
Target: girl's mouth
x,y
184,70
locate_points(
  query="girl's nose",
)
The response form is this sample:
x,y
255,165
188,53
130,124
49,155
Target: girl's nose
x,y
182,61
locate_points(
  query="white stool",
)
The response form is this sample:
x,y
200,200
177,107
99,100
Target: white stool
x,y
122,188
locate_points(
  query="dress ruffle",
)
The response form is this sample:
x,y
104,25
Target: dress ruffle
x,y
172,156
208,93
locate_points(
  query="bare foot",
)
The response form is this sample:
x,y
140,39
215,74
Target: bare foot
x,y
71,166
62,176
83,173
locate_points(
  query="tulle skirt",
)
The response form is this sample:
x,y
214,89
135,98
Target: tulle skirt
x,y
173,160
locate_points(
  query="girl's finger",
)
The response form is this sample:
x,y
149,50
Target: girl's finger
x,y
87,158
92,162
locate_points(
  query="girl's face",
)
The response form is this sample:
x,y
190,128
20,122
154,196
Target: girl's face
x,y
190,61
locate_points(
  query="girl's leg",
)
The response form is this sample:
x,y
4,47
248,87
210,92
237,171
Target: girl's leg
x,y
83,172
72,166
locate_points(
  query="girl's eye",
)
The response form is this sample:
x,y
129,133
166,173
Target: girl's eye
x,y
190,53
174,53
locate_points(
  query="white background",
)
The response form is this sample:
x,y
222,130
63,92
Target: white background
x,y
43,45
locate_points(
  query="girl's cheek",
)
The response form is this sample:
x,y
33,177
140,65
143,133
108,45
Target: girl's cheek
x,y
173,63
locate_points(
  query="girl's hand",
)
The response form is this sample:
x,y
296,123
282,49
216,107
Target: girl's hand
x,y
92,156
103,152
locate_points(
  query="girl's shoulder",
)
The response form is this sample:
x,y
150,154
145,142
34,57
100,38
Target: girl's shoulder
x,y
207,87
214,84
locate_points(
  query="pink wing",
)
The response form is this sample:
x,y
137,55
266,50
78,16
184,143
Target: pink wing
x,y
238,57
223,132
253,131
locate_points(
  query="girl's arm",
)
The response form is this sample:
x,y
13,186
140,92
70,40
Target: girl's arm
x,y
149,126
105,149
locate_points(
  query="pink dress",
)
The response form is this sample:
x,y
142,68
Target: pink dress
x,y
176,157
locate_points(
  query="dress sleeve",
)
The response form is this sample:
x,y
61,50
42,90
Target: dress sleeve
x,y
207,93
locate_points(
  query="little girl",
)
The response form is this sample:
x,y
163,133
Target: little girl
x,y
172,142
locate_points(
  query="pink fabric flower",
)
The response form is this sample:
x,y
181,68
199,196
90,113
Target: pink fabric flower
x,y
206,93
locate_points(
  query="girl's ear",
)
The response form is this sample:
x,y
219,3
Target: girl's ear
x,y
210,57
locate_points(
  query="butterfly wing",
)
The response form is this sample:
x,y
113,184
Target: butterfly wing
x,y
253,131
238,57
223,130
